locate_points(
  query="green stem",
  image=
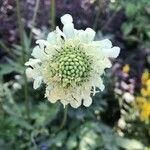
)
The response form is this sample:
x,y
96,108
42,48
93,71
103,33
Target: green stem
x,y
52,14
33,20
96,20
97,17
21,31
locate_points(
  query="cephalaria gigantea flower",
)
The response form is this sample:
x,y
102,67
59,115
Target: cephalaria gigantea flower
x,y
70,63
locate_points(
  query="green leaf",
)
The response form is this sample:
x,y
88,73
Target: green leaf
x,y
26,42
10,67
129,144
61,136
127,28
131,10
72,142
44,114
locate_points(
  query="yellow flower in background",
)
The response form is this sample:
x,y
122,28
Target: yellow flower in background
x,y
126,69
145,111
145,79
144,92
143,106
71,64
142,103
145,76
148,82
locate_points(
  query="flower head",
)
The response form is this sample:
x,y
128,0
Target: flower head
x,y
70,63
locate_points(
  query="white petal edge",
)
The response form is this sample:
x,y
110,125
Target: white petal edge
x,y
103,44
37,82
60,33
29,72
75,103
68,30
51,38
87,101
113,52
89,35
42,43
67,18
85,36
32,62
38,53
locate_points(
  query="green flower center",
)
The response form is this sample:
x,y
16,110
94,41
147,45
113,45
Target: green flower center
x,y
73,66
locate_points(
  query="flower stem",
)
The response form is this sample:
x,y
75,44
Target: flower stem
x,y
52,14
21,31
97,16
33,20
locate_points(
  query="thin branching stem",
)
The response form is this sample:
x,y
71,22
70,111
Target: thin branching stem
x,y
21,31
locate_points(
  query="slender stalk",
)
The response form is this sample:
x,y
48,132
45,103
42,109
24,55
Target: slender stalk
x,y
96,19
21,31
33,20
52,14
97,16
64,118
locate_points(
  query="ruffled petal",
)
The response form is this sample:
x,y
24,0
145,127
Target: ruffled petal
x,y
37,82
30,72
52,97
68,28
75,103
67,18
113,52
103,44
39,53
85,36
42,43
106,47
89,35
32,62
87,101
56,37
52,38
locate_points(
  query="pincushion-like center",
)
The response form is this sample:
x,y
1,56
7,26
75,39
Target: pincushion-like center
x,y
73,66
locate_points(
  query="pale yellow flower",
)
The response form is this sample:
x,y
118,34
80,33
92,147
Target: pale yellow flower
x,y
70,63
